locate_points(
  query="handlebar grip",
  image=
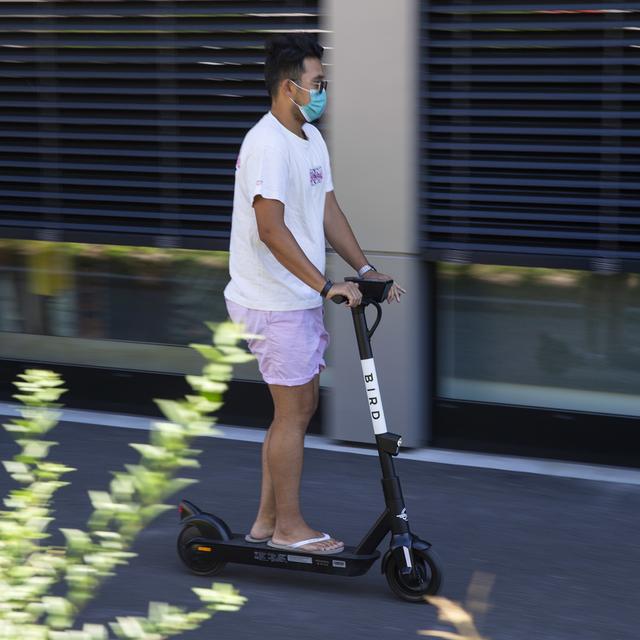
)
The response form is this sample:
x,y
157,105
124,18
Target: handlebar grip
x,y
339,299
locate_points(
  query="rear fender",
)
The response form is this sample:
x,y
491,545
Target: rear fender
x,y
210,526
187,508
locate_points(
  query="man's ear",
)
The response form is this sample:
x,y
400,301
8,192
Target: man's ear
x,y
285,87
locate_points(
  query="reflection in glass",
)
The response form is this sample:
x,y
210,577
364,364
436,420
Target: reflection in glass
x,y
59,299
539,337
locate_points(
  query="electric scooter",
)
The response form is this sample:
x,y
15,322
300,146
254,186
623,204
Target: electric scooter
x,y
411,567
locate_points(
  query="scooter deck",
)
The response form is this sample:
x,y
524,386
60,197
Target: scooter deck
x,y
237,549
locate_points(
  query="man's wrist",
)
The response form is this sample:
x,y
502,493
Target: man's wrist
x,y
365,269
327,287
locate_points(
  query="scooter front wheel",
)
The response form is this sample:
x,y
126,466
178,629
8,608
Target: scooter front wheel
x,y
426,581
204,562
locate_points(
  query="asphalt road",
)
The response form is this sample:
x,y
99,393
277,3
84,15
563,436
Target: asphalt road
x,y
563,554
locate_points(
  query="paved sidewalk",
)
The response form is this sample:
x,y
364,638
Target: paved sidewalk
x,y
565,552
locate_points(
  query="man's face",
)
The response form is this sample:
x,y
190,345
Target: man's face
x,y
311,78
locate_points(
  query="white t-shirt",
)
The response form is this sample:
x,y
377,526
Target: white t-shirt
x,y
279,165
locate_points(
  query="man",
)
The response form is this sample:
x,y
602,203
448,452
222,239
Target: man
x,y
284,207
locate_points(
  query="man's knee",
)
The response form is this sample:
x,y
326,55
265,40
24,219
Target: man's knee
x,y
298,404
313,398
311,406
306,406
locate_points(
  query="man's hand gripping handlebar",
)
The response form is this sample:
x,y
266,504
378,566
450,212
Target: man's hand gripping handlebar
x,y
345,292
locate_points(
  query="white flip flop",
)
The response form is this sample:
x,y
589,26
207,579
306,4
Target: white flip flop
x,y
295,546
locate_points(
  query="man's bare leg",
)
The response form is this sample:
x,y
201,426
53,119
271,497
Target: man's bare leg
x,y
265,522
282,455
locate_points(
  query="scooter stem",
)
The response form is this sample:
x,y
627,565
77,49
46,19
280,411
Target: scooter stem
x,y
369,373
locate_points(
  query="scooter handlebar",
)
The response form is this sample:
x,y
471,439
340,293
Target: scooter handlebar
x,y
372,290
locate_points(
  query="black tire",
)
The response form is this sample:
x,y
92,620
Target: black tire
x,y
428,568
202,564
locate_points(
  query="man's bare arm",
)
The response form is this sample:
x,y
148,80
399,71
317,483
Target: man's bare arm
x,y
338,232
285,248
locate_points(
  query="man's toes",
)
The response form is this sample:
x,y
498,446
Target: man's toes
x,y
333,544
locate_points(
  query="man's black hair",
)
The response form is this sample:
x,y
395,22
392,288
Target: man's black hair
x,y
285,57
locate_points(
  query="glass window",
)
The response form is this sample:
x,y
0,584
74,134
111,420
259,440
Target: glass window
x,y
110,306
548,338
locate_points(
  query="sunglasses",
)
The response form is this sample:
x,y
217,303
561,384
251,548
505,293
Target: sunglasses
x,y
320,85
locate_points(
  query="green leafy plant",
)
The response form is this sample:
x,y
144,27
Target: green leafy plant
x,y
30,569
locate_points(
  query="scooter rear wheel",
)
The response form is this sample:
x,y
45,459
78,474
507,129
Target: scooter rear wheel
x,y
429,577
201,563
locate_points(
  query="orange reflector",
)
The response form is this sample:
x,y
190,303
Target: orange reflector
x,y
204,549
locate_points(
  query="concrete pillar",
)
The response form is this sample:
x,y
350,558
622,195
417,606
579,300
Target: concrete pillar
x,y
372,130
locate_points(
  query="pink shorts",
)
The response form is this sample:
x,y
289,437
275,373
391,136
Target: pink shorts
x,y
294,342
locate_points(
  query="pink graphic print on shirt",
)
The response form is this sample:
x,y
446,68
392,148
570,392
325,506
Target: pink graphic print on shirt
x,y
315,175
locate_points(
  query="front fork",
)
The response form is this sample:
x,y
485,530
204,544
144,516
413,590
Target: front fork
x,y
401,546
401,537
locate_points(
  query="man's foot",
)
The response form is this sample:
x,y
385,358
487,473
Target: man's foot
x,y
261,530
306,533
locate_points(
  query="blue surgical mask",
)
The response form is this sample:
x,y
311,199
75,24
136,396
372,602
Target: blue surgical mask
x,y
315,107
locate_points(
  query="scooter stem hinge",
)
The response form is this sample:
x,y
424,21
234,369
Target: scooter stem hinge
x,y
389,443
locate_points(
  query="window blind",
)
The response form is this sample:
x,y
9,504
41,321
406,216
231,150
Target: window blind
x,y
120,122
530,133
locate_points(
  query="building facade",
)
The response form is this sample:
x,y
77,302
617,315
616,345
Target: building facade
x,y
484,153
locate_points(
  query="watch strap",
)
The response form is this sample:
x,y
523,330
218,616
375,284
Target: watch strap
x,y
367,267
327,286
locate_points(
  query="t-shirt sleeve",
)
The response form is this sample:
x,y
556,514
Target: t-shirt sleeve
x,y
267,174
